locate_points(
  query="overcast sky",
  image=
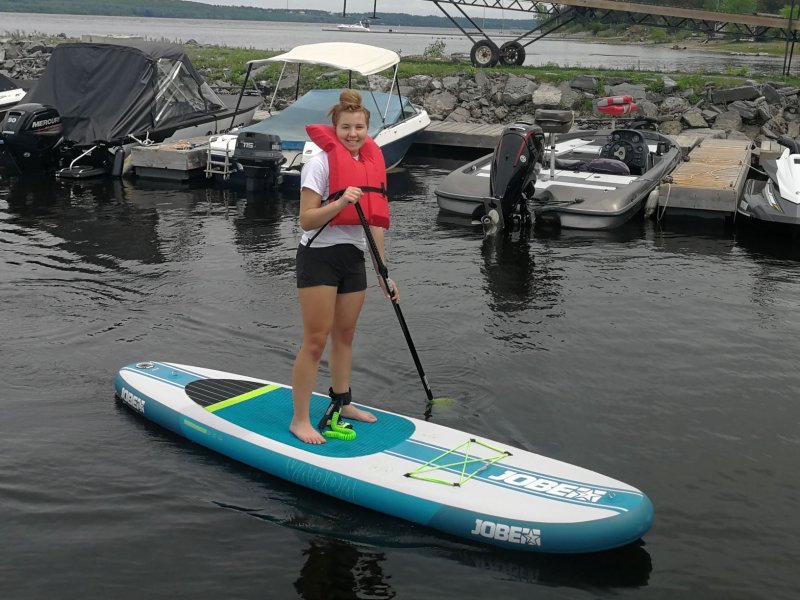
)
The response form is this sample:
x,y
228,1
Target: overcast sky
x,y
414,7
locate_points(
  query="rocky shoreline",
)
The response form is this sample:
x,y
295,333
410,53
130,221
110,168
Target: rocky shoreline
x,y
748,111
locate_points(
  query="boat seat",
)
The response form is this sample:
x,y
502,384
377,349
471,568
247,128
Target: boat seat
x,y
554,121
608,166
569,164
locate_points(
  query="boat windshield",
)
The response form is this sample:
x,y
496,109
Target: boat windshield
x,y
6,85
290,123
179,94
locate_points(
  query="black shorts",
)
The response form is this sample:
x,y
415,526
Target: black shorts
x,y
340,266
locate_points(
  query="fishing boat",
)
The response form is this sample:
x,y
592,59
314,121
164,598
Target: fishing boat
x,y
95,100
394,121
597,179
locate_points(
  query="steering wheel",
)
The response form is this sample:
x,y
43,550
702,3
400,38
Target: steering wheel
x,y
622,150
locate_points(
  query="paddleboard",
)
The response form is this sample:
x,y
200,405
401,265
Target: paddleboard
x,y
456,482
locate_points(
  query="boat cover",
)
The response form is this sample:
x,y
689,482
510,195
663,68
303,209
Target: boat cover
x,y
106,92
312,107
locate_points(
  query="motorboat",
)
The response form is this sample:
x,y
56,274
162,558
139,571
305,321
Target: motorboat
x,y
597,179
10,94
361,26
773,195
95,100
394,120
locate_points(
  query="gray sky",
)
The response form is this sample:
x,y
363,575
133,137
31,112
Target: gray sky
x,y
414,7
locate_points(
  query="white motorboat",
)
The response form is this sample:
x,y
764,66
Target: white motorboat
x,y
362,26
394,121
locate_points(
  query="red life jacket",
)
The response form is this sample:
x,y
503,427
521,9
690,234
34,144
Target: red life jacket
x,y
368,173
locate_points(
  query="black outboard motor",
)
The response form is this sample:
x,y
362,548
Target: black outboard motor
x,y
259,157
29,136
515,165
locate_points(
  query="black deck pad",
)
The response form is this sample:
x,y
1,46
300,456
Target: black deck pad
x,y
210,391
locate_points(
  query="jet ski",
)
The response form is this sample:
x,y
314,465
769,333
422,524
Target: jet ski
x,y
775,199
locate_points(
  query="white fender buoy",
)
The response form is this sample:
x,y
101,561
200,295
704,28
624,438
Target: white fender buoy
x,y
652,204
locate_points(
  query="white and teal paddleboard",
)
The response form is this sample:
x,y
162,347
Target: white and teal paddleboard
x,y
456,482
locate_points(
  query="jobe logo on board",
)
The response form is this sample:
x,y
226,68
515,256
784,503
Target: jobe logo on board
x,y
132,400
513,534
552,488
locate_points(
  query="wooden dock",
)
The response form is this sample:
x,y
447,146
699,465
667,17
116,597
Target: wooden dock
x,y
710,183
176,161
463,135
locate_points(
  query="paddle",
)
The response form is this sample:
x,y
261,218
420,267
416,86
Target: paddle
x,y
383,273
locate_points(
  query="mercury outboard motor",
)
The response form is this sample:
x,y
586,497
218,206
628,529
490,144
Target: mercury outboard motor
x,y
29,135
515,165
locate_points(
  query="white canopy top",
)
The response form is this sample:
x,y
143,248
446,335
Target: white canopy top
x,y
361,58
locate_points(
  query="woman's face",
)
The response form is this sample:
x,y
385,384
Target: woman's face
x,y
352,130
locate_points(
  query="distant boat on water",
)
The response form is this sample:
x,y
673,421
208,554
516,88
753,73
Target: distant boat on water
x,y
362,26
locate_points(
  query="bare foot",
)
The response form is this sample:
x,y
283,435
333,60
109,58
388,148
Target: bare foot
x,y
351,412
306,433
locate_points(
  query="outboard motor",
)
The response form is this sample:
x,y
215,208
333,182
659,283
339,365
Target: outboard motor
x,y
29,135
515,166
259,157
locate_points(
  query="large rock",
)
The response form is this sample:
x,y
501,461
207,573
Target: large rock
x,y
747,92
547,96
729,120
518,90
451,83
440,103
673,105
419,82
637,90
746,109
459,115
694,119
585,83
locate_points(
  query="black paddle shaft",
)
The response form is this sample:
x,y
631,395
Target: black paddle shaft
x,y
383,273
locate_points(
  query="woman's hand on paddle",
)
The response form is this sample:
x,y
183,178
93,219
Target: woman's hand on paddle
x,y
395,292
351,195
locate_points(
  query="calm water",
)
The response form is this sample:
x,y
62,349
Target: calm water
x,y
409,40
664,357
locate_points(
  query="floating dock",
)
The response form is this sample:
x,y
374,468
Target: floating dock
x,y
708,185
462,135
710,182
181,160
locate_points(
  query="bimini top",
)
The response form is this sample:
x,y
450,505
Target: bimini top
x,y
361,58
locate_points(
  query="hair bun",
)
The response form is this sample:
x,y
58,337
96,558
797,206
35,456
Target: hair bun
x,y
351,98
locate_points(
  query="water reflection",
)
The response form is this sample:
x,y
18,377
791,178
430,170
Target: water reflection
x,y
346,552
510,272
93,219
337,570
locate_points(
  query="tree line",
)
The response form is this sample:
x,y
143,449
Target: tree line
x,y
184,9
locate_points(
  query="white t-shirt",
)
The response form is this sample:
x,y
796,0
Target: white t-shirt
x,y
314,176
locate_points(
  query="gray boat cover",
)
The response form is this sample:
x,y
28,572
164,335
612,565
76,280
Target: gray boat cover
x,y
107,92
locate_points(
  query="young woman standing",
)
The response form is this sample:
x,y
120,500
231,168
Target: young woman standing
x,y
331,274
